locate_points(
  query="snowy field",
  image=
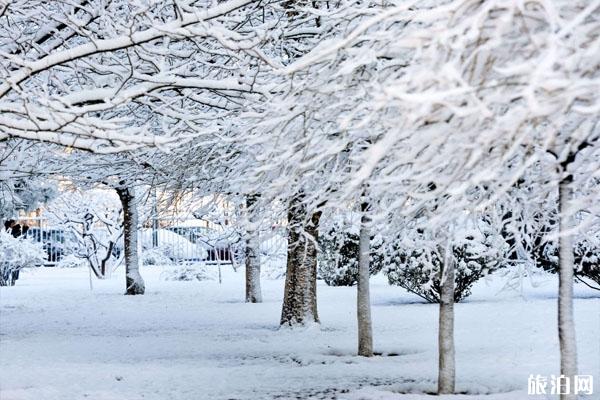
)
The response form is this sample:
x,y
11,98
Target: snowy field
x,y
199,340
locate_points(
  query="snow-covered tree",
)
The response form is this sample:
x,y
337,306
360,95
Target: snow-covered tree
x,y
118,75
300,295
436,100
93,218
23,182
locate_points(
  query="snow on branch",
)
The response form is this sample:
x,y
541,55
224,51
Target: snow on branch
x,y
118,76
461,96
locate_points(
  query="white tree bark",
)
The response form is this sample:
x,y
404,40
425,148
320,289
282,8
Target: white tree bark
x,y
253,292
447,372
566,323
300,297
363,300
133,280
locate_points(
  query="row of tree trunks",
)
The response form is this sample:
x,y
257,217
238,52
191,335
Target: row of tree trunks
x,y
133,279
300,296
566,321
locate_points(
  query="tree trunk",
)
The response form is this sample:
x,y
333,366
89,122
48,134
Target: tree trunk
x,y
133,280
446,373
363,301
253,293
300,297
154,219
566,323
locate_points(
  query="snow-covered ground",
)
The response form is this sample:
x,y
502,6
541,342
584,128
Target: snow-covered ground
x,y
199,340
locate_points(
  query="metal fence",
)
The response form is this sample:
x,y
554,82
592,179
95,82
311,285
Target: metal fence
x,y
161,240
54,240
164,240
185,241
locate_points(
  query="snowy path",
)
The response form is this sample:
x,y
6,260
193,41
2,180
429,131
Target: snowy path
x,y
198,340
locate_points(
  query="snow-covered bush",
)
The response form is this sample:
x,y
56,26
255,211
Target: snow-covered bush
x,y
338,257
71,261
16,254
587,257
416,262
532,236
156,256
189,273
174,246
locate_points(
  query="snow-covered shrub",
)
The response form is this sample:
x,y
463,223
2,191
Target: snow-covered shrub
x,y
338,257
416,264
190,273
530,224
540,249
16,254
587,257
155,256
71,261
174,246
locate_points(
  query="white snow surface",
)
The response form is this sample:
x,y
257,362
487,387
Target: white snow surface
x,y
199,340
